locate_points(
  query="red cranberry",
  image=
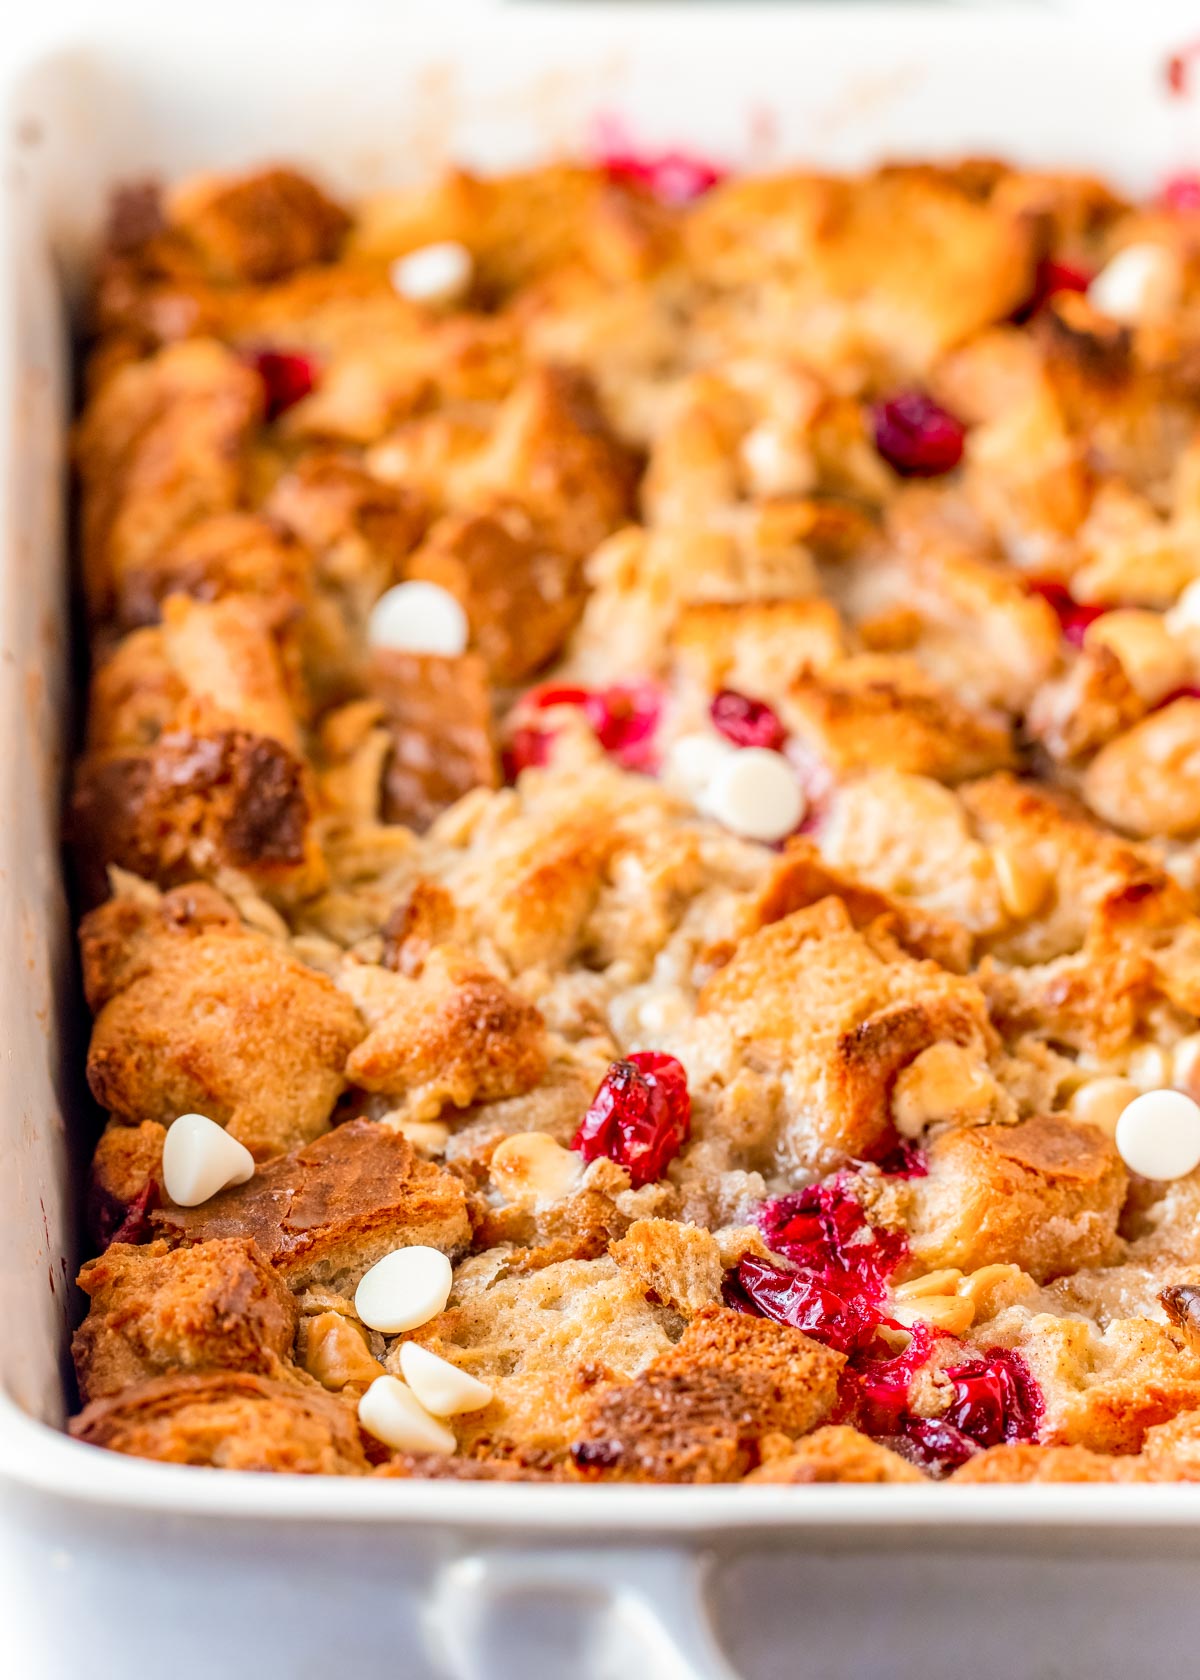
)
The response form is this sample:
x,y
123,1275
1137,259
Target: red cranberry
x,y
674,177
1181,193
907,1160
546,695
1177,69
625,717
287,375
1052,278
527,747
746,722
916,436
995,1398
845,1322
824,1231
932,1444
134,1227
639,1117
1073,616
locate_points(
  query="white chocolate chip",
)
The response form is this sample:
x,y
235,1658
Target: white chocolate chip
x,y
1140,283
945,1082
693,760
441,1387
532,1167
419,617
1185,614
1101,1102
438,273
1185,1063
754,794
774,464
394,1415
1158,1135
428,1137
1023,882
199,1158
1150,1068
405,1289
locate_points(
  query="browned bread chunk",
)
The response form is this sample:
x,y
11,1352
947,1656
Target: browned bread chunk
x,y
153,1310
231,1420
325,1213
1044,1195
196,1013
259,227
438,712
698,1413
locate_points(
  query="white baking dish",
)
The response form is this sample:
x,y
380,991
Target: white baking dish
x,y
121,1567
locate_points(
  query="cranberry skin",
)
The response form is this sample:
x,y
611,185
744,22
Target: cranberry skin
x,y
844,1322
824,1231
746,722
625,717
916,436
995,1398
640,1116
287,376
1073,616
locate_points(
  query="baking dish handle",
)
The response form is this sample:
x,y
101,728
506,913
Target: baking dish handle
x,y
641,1612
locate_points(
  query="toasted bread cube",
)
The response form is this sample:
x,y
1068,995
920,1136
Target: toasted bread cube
x,y
196,1013
216,1306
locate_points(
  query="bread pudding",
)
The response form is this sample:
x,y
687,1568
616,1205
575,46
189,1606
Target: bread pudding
x,y
639,827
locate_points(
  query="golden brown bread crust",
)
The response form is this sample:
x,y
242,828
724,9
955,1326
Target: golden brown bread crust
x,y
216,1306
198,1014
232,1420
325,1213
259,228
1044,1195
653,451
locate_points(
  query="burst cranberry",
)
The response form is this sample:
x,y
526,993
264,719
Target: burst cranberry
x,y
932,1444
995,1398
1073,616
916,436
286,376
879,1387
746,722
845,1322
824,1230
625,717
639,1117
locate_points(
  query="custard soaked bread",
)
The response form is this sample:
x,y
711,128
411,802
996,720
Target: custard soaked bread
x,y
641,804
